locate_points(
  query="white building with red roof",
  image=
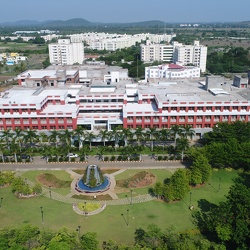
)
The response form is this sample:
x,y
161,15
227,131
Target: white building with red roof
x,y
171,71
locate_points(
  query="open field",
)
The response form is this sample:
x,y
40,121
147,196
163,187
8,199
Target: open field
x,y
110,224
19,47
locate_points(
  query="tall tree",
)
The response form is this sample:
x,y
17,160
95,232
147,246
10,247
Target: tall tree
x,y
182,144
30,137
179,184
175,131
103,134
90,137
54,137
79,133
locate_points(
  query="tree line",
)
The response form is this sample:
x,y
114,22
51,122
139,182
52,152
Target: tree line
x,y
125,141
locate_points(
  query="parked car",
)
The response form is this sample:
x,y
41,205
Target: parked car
x,y
24,156
72,155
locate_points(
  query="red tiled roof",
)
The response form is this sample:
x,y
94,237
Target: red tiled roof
x,y
174,66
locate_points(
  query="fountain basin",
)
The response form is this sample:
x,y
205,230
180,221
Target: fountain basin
x,y
81,187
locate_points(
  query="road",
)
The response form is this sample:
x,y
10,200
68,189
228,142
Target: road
x,y
40,164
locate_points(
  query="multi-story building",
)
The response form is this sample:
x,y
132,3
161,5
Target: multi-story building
x,y
156,52
104,105
56,76
171,71
195,54
66,53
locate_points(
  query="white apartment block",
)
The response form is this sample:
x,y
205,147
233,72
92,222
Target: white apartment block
x,y
195,54
112,42
66,53
171,71
156,52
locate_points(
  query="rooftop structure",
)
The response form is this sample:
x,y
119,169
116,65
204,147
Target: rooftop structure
x,y
56,75
171,71
102,105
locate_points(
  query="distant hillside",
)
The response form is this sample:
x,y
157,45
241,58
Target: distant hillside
x,y
245,23
77,22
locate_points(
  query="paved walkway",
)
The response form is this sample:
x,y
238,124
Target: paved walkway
x,y
146,163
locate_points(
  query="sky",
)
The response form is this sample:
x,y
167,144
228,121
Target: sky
x,y
122,11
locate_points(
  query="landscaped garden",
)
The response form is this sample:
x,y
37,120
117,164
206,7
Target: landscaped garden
x,y
109,224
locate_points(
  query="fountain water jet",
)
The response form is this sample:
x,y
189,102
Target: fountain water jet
x,y
93,181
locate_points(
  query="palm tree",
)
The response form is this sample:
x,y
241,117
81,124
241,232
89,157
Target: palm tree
x,y
84,151
152,132
54,137
46,151
182,144
2,147
126,136
164,135
7,135
66,137
90,137
79,133
175,131
103,134
100,152
14,148
30,136
55,151
18,136
117,135
188,131
139,135
42,137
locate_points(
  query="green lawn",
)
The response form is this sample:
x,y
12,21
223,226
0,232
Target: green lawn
x,y
62,175
110,224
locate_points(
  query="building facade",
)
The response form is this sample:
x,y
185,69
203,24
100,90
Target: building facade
x,y
195,54
171,71
156,52
105,105
66,53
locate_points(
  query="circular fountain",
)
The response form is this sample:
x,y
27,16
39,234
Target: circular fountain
x,y
93,181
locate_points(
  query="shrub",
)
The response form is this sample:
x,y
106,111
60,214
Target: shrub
x,y
165,158
171,157
119,158
82,158
106,158
159,158
112,158
124,158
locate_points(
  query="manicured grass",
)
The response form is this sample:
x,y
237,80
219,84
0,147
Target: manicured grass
x,y
110,224
61,175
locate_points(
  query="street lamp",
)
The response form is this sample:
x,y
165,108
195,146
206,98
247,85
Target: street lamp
x,y
85,208
78,230
42,214
49,192
127,217
1,200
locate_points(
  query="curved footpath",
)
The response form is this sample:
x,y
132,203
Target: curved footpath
x,y
40,164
